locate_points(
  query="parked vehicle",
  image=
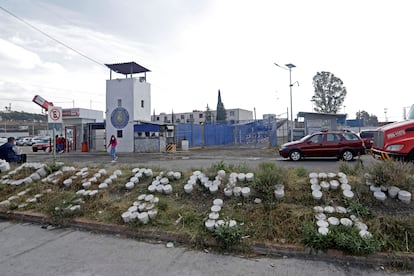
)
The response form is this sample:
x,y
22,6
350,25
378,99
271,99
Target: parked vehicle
x,y
394,141
38,139
24,141
343,145
368,137
44,144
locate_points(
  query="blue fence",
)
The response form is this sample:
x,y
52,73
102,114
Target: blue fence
x,y
210,134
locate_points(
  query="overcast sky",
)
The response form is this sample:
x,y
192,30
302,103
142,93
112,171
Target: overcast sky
x,y
196,47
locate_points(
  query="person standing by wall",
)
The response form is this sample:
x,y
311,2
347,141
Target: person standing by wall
x,y
112,148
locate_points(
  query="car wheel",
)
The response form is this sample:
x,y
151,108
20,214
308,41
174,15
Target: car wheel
x,y
34,150
347,155
295,155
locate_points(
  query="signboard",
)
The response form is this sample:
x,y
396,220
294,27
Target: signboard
x,y
42,102
54,114
71,112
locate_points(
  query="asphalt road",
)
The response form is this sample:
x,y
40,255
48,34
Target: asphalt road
x,y
194,159
28,249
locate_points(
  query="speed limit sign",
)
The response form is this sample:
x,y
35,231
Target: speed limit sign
x,y
55,114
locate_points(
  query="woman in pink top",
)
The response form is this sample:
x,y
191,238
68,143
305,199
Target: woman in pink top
x,y
113,143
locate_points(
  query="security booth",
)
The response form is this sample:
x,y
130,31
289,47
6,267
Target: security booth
x,y
314,122
76,124
153,137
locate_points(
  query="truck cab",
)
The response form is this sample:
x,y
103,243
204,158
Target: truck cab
x,y
396,140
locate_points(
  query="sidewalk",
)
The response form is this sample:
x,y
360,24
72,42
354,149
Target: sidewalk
x,y
380,260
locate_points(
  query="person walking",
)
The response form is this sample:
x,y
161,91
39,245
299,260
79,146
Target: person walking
x,y
112,148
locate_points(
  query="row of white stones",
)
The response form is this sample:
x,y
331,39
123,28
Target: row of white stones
x,y
324,222
381,192
213,222
143,209
329,181
161,183
37,175
33,199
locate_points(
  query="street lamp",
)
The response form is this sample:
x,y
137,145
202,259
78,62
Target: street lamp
x,y
289,67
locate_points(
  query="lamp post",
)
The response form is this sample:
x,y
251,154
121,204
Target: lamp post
x,y
289,67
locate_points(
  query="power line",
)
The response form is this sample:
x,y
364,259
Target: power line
x,y
49,36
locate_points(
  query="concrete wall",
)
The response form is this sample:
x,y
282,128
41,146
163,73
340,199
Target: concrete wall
x,y
149,144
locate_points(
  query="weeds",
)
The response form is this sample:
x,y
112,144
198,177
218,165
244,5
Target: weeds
x,y
228,236
267,176
288,221
358,209
351,169
340,237
392,173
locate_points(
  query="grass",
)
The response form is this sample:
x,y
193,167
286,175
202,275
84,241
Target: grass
x,y
288,220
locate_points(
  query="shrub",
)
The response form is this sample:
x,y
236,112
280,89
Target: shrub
x,y
266,177
228,236
340,237
358,209
351,169
392,173
301,172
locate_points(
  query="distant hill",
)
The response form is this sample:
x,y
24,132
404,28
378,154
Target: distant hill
x,y
16,116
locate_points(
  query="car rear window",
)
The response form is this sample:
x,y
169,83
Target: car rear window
x,y
351,137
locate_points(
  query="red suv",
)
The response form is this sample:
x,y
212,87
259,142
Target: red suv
x,y
344,145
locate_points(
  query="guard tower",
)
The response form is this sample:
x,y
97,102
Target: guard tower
x,y
128,99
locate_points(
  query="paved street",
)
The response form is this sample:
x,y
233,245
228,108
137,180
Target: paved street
x,y
28,249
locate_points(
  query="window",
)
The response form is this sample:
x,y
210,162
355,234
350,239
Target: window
x,y
158,118
119,133
142,103
119,102
191,116
332,137
200,115
231,113
182,116
351,137
318,138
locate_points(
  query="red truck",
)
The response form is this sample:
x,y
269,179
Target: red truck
x,y
396,140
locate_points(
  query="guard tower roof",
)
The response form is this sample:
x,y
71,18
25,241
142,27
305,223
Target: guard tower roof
x,y
127,68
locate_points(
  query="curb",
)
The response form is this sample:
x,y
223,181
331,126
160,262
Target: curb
x,y
398,260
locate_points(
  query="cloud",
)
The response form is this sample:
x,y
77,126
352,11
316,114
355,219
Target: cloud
x,y
12,55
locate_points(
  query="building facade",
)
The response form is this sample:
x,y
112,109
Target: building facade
x,y
128,100
234,116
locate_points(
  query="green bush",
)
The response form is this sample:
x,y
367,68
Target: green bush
x,y
228,236
358,209
267,176
340,237
301,172
351,169
392,173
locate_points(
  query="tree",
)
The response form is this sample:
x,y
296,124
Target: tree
x,y
221,111
369,120
329,94
208,114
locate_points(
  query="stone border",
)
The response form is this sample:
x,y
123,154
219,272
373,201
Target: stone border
x,y
398,260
